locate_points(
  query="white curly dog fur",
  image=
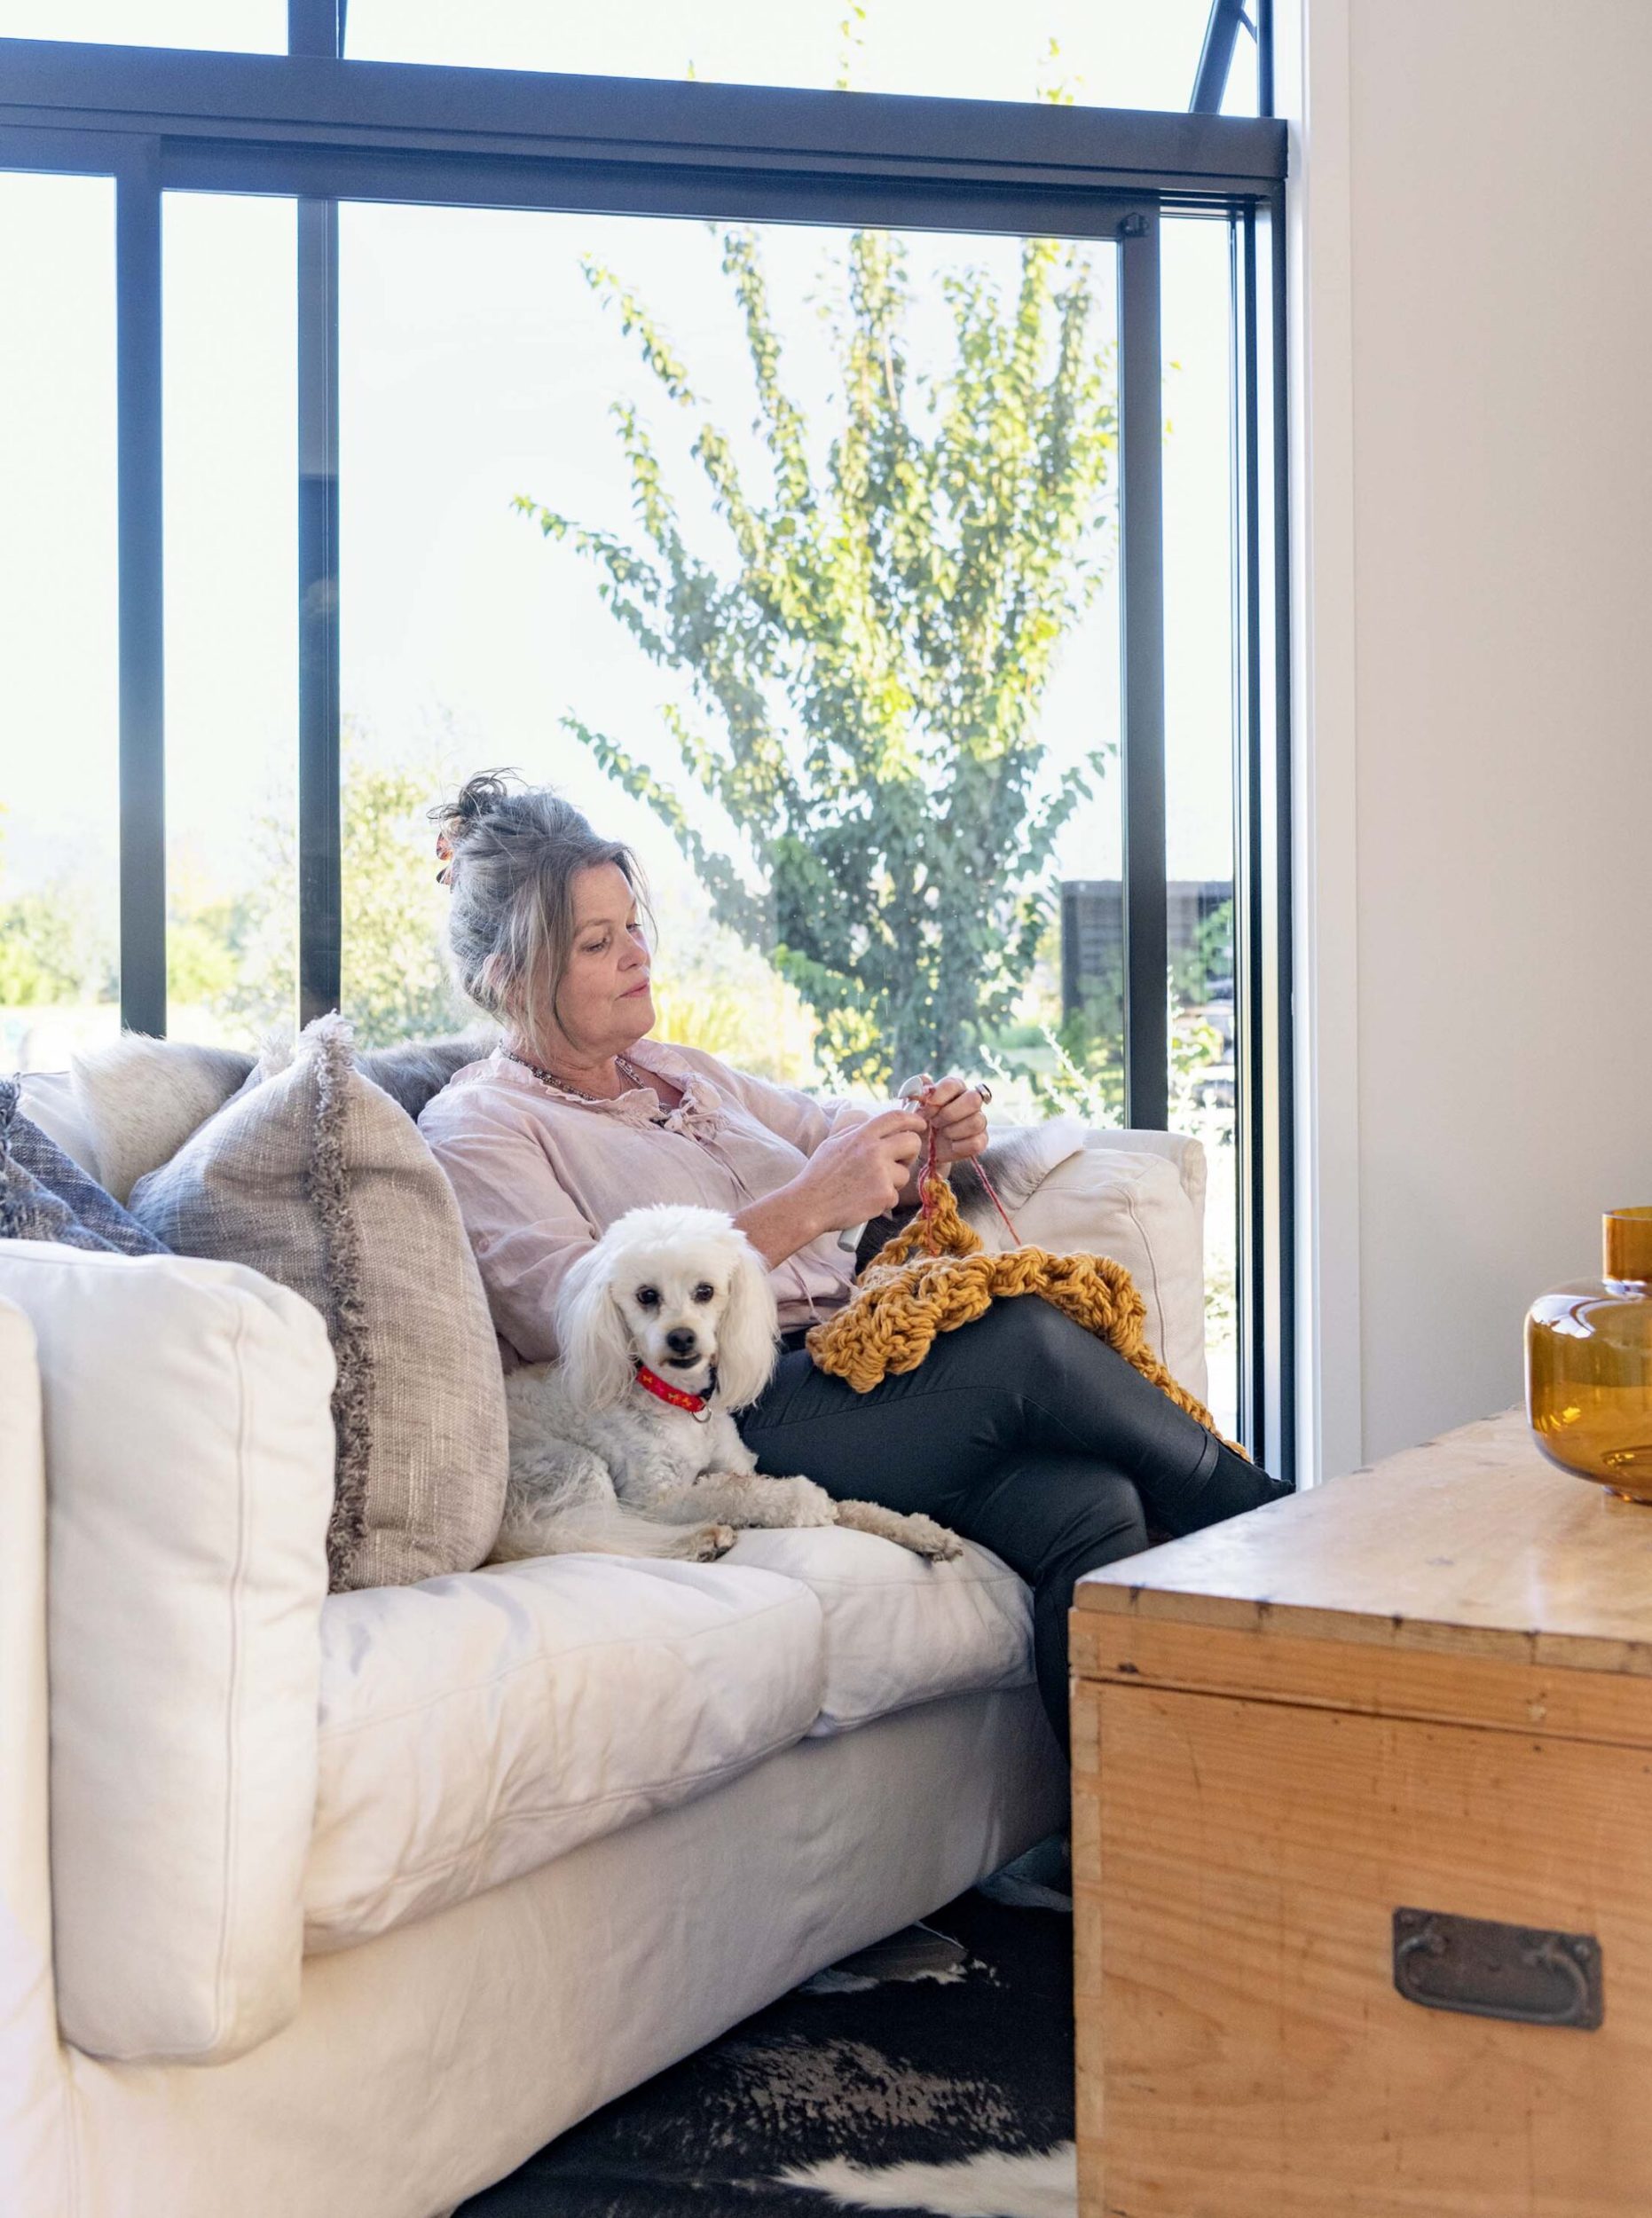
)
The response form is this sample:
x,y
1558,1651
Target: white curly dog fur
x,y
599,1463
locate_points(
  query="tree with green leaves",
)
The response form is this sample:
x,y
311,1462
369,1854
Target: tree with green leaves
x,y
867,653
396,985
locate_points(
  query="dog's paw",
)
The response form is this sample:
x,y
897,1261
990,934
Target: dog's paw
x,y
934,1543
709,1542
911,1530
804,1502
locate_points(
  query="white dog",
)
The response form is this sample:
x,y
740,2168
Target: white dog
x,y
627,1446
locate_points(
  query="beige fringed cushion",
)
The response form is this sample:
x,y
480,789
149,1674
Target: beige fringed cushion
x,y
314,1175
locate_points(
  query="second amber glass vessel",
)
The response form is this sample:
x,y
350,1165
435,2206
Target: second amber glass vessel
x,y
1589,1365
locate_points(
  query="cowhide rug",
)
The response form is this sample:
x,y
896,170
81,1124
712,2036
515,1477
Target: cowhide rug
x,y
931,2074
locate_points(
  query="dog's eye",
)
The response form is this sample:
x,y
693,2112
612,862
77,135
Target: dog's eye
x,y
648,1297
703,1293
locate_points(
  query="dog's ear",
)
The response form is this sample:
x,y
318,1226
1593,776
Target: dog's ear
x,y
746,1332
597,1362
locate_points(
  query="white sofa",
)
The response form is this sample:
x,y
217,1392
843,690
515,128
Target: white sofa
x,y
315,1905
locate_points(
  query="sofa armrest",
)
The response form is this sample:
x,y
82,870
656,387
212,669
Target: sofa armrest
x,y
1136,1195
1180,1148
34,2155
189,1474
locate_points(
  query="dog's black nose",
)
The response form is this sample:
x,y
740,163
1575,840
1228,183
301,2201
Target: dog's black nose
x,y
681,1340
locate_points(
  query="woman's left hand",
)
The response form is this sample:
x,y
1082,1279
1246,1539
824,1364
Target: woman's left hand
x,y
956,1116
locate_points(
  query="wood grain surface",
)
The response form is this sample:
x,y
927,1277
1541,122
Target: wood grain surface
x,y
1472,1545
1243,2051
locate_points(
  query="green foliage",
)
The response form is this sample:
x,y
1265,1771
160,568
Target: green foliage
x,y
1194,971
869,654
1080,1075
51,948
395,986
201,960
43,951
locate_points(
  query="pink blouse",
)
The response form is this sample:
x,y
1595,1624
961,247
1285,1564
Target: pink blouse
x,y
540,1175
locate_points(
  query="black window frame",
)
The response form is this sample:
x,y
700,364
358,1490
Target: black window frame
x,y
322,128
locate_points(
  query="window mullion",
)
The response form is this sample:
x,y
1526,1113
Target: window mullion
x,y
1140,597
320,886
142,613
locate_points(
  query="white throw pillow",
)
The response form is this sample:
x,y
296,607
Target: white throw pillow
x,y
1134,1206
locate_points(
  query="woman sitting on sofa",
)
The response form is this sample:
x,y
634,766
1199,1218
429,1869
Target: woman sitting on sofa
x,y
1020,1430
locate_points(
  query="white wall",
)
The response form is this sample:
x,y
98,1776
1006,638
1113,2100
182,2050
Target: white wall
x,y
1474,233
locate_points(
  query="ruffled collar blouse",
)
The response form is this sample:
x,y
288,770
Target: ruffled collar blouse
x,y
541,1173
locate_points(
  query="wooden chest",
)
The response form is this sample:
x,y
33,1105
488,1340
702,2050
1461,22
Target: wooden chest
x,y
1348,1773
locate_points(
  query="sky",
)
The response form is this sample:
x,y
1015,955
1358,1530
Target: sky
x,y
477,365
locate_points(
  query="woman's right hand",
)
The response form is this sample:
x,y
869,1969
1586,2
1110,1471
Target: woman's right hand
x,y
858,1173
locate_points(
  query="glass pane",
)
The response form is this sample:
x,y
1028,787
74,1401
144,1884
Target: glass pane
x,y
59,801
788,554
231,651
1198,751
247,27
1103,53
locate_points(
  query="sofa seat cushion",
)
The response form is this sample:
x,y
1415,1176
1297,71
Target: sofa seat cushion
x,y
476,1726
897,1629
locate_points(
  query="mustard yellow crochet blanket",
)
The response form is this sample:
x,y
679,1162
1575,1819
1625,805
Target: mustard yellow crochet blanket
x,y
935,1275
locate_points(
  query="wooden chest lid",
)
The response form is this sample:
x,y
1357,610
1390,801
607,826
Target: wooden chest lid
x,y
1473,1545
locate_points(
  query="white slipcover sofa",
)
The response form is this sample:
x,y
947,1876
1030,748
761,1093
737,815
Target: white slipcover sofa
x,y
318,1904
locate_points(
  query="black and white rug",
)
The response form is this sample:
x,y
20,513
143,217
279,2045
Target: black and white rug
x,y
929,2077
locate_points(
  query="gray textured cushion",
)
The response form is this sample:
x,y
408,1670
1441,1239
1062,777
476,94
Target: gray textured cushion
x,y
140,1098
46,1195
314,1175
414,1071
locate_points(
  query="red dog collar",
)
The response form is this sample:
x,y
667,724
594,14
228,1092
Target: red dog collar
x,y
693,1403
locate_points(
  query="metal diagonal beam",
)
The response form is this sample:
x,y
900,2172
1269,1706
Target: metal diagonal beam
x,y
316,28
1211,81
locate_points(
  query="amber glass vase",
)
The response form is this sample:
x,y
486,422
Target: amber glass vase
x,y
1589,1365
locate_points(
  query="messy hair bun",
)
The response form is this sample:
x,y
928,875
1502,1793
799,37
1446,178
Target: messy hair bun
x,y
515,851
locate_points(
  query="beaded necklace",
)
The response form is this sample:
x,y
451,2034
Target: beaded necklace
x,y
623,1064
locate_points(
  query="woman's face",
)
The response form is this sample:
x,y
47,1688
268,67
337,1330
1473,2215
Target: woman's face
x,y
604,1003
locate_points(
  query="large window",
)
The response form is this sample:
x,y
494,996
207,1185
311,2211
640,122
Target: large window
x,y
59,796
864,506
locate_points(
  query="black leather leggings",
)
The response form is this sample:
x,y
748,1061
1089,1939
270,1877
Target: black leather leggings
x,y
1022,1431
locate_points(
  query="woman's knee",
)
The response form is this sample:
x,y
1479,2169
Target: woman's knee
x,y
1109,1524
1019,1337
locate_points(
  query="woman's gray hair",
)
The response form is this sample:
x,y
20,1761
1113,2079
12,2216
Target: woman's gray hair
x,y
515,851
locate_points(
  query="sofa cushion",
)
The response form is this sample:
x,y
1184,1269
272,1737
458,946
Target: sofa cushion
x,y
138,1100
897,1629
314,1175
474,1727
130,1106
46,1195
189,1466
48,1099
1080,1191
